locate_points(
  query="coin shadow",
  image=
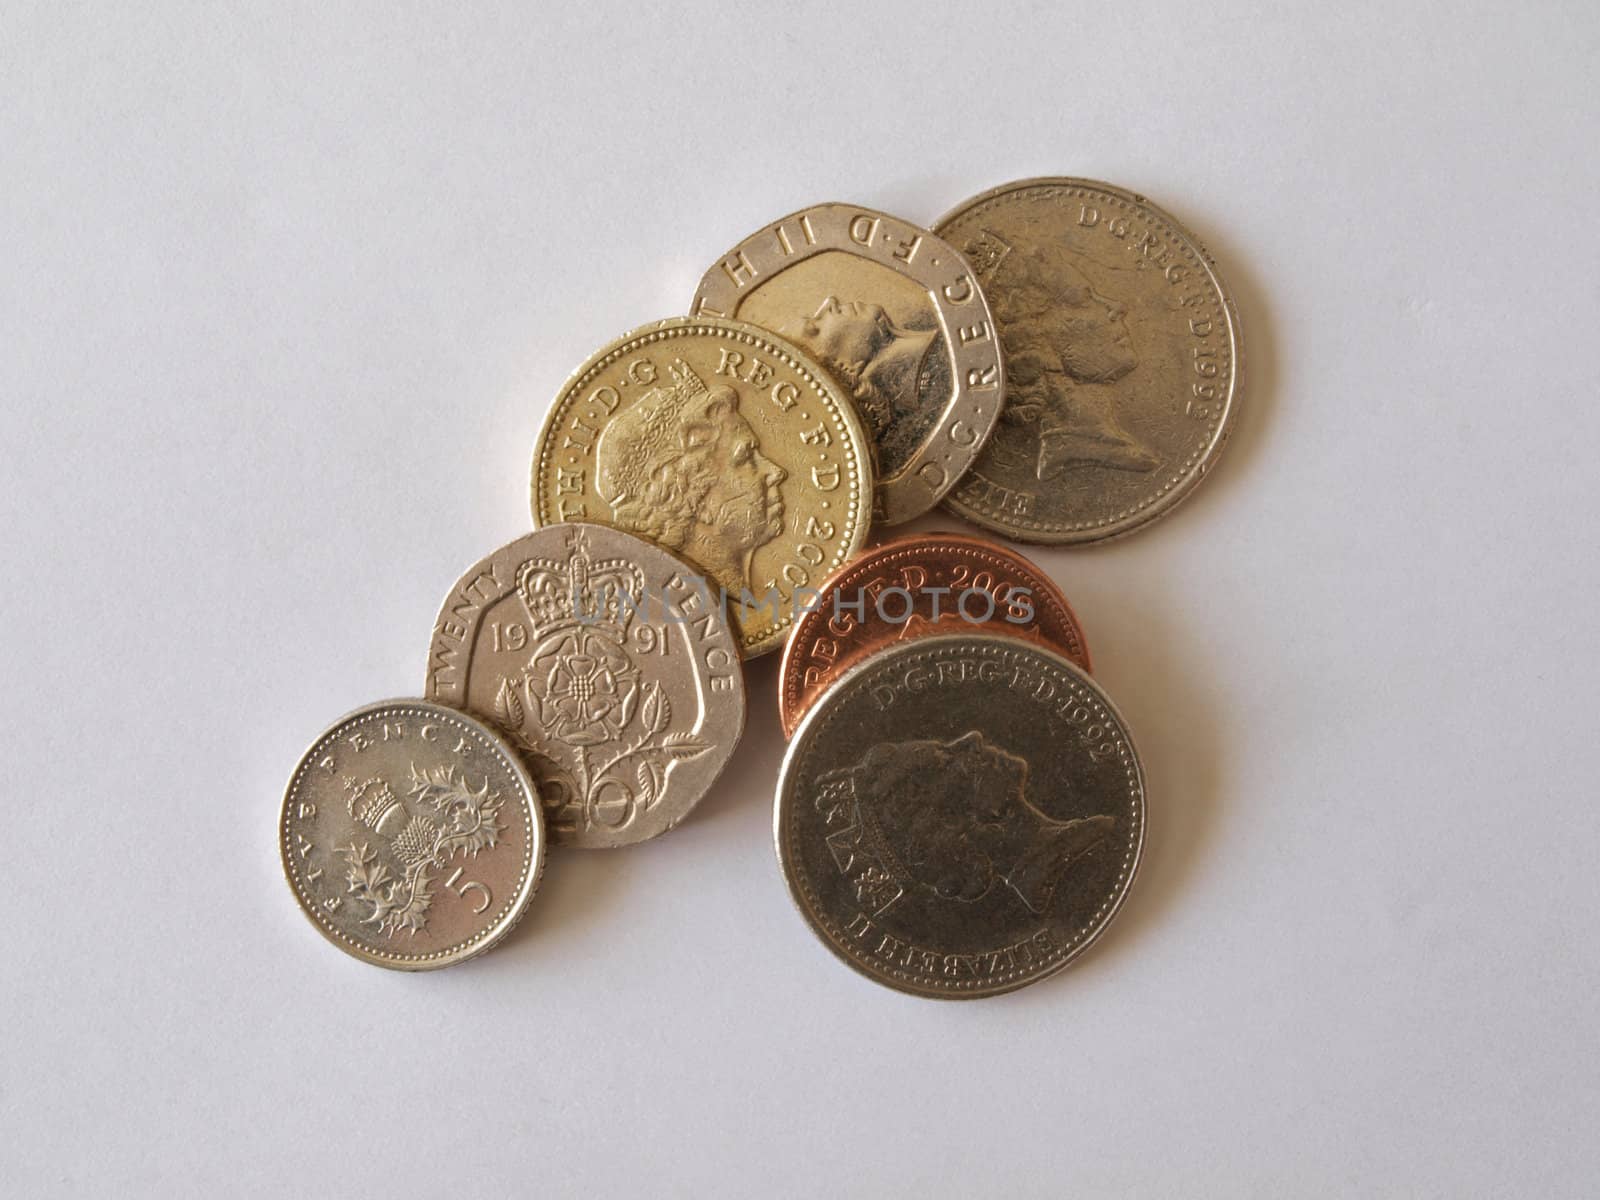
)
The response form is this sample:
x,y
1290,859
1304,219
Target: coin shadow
x,y
751,776
1179,730
579,888
1256,397
585,888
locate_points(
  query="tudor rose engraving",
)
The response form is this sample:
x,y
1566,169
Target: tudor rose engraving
x,y
611,667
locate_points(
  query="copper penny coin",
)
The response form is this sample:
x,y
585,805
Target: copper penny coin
x,y
912,586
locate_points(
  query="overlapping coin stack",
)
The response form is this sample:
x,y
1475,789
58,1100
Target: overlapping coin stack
x,y
961,809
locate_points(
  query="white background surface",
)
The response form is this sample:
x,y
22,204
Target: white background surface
x,y
283,295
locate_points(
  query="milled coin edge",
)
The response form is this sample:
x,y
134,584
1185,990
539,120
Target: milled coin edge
x,y
860,447
1171,497
533,861
1079,947
742,699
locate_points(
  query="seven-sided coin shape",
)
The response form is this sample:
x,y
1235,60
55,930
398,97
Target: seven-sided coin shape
x,y
608,663
898,318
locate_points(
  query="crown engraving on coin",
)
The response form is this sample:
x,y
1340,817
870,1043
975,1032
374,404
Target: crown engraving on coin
x,y
985,252
447,818
582,591
595,731
371,802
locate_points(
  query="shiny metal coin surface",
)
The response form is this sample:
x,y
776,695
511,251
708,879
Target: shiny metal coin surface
x,y
726,445
960,815
913,586
1122,360
897,317
411,835
609,664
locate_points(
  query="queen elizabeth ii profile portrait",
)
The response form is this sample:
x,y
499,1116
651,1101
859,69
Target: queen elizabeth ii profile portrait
x,y
1067,349
683,468
885,365
951,819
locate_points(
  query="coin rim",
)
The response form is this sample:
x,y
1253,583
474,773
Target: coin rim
x,y
789,668
924,645
1171,496
533,859
703,672
957,409
670,327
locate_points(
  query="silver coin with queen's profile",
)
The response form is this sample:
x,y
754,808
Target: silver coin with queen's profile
x,y
898,318
960,815
411,835
611,667
1122,360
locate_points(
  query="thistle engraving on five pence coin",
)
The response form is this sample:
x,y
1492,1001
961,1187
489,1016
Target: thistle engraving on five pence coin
x,y
411,835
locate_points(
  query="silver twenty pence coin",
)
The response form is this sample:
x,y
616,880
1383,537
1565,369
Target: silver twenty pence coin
x,y
411,835
609,664
961,815
899,319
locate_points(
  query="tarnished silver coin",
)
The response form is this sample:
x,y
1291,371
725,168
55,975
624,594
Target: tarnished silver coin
x,y
411,835
610,665
896,317
960,815
1122,360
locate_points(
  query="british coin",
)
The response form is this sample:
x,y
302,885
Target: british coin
x,y
911,587
723,443
610,666
411,836
1122,360
960,815
895,314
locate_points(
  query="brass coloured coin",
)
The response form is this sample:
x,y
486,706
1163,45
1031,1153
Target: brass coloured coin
x,y
722,443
